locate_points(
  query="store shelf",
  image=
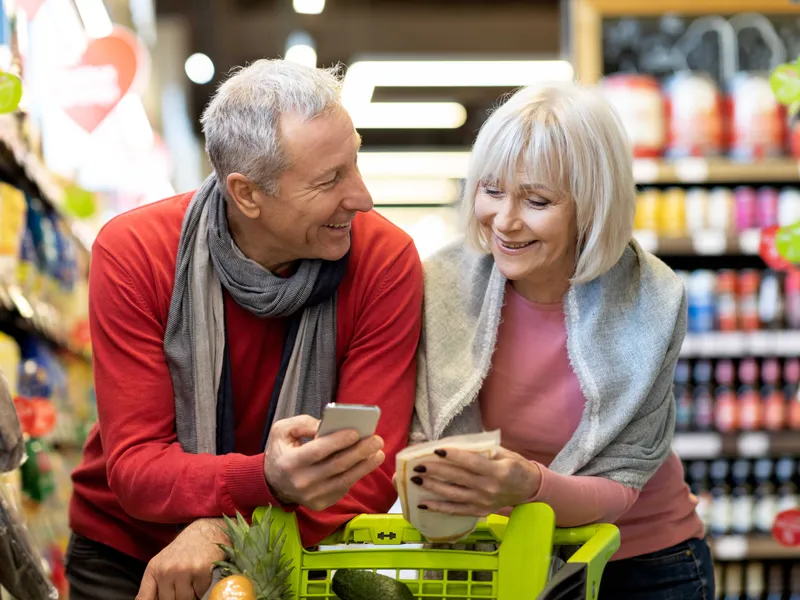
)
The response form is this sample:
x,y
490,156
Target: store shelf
x,y
751,444
19,316
734,344
25,170
751,547
722,171
736,547
709,242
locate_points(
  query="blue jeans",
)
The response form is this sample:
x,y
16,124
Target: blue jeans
x,y
683,572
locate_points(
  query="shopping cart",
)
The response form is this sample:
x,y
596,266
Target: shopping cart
x,y
517,569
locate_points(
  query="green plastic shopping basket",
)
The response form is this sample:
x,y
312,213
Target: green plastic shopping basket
x,y
517,570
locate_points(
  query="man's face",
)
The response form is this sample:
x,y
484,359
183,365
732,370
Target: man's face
x,y
318,194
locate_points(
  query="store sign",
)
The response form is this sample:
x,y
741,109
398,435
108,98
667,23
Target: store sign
x,y
786,529
31,7
92,89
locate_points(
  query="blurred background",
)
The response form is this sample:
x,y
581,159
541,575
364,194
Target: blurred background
x,y
99,113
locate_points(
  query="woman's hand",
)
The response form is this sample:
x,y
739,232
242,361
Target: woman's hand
x,y
474,485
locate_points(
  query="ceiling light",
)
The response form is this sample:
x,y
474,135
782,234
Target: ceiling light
x,y
300,49
95,18
375,164
412,191
410,115
309,7
363,77
199,68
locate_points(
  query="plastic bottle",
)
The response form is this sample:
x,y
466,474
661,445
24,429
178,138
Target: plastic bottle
x,y
720,508
741,498
701,298
764,496
727,311
749,282
770,301
792,299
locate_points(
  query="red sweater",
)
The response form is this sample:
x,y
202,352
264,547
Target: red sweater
x,y
135,483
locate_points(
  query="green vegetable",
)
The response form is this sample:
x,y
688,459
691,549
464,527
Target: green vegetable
x,y
353,584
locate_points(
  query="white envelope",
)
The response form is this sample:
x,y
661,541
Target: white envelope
x,y
438,527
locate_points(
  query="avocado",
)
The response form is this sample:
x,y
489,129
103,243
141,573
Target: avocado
x,y
354,584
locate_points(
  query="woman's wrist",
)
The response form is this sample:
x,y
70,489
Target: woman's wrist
x,y
534,484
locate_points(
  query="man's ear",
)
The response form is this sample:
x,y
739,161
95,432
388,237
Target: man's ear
x,y
245,194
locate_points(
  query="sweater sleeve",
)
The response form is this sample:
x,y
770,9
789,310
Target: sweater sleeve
x,y
148,471
601,500
379,369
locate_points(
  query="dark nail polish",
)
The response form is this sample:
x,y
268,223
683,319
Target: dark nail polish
x,y
417,480
441,453
419,469
422,507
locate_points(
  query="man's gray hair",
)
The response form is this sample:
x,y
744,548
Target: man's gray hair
x,y
242,122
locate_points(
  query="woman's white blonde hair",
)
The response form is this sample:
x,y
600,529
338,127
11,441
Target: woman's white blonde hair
x,y
568,137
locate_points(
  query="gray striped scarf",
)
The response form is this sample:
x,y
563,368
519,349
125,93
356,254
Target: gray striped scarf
x,y
194,340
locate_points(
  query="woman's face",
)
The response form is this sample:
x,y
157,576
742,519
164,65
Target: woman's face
x,y
531,230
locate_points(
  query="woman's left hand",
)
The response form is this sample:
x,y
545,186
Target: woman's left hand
x,y
474,485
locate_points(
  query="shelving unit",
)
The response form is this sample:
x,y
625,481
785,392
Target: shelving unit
x,y
704,249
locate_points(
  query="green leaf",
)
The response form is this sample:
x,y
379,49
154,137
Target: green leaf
x,y
785,83
794,108
10,92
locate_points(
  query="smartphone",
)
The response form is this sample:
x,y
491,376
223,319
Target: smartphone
x,y
361,417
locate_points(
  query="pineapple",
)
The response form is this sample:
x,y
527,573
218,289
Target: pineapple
x,y
255,553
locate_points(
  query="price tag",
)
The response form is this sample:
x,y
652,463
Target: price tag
x,y
750,241
692,170
647,239
645,170
709,242
697,445
753,444
731,547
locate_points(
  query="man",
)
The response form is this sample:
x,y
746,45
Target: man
x,y
222,322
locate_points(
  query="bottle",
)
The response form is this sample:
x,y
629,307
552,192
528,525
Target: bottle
x,y
700,295
684,408
787,489
764,496
794,582
770,301
792,299
727,311
733,582
720,508
745,200
703,408
754,588
775,582
726,410
697,474
741,498
749,399
767,207
791,380
749,282
725,373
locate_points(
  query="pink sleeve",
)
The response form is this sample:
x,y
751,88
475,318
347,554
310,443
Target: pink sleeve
x,y
579,500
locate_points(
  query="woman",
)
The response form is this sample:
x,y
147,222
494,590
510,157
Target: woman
x,y
554,326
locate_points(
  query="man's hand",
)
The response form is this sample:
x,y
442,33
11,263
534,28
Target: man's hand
x,y
182,570
319,473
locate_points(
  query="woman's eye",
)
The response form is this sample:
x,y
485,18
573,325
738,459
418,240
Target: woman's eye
x,y
538,202
490,191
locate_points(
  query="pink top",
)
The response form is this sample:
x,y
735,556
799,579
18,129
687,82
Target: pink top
x,y
533,396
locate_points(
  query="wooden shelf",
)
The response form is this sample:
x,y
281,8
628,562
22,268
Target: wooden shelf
x,y
751,547
715,170
752,444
